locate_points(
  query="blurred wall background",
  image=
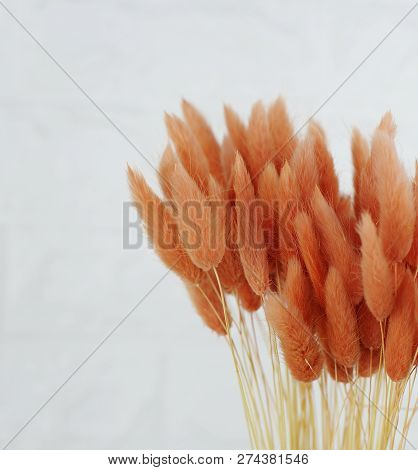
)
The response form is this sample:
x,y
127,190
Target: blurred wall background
x,y
161,380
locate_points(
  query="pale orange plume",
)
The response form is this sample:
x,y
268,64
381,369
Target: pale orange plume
x,y
304,168
227,271
165,170
344,211
400,337
268,184
328,181
268,192
201,220
369,362
242,183
237,132
298,293
377,276
367,198
412,257
360,154
289,189
217,196
336,246
227,160
215,231
416,305
188,150
387,124
252,250
369,328
230,269
342,330
338,372
396,201
206,139
259,140
282,133
399,271
309,247
161,229
247,298
288,203
208,304
300,348
320,328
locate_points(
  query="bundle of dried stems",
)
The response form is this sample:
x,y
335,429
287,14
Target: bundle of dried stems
x,y
260,217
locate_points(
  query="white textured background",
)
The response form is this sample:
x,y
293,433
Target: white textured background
x,y
162,380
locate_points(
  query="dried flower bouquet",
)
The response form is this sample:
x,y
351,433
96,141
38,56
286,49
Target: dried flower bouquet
x,y
259,218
